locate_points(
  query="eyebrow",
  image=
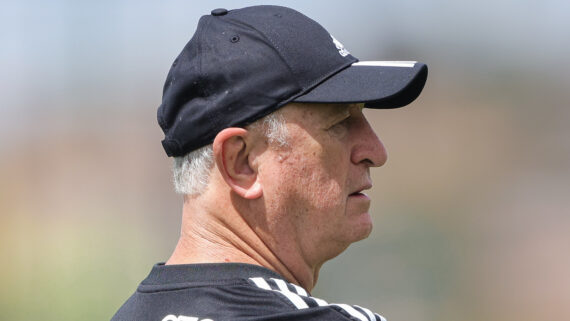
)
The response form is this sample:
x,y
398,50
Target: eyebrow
x,y
345,109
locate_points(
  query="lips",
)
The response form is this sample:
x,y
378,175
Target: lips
x,y
360,190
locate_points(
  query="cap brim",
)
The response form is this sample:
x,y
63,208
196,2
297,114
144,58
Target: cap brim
x,y
378,84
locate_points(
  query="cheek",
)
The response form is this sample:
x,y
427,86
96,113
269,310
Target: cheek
x,y
315,180
326,193
319,188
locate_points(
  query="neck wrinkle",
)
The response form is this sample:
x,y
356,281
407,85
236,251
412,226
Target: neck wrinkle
x,y
226,237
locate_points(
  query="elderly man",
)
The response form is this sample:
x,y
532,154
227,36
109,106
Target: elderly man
x,y
262,112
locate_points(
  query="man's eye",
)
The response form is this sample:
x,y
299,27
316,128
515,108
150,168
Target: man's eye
x,y
340,128
344,121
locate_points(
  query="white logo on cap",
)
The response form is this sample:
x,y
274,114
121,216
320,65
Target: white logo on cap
x,y
341,50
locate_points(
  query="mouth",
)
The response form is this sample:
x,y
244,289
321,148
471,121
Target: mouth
x,y
360,192
359,196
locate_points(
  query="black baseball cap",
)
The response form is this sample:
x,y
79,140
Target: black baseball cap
x,y
244,64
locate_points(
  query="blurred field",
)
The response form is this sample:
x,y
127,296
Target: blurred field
x,y
472,210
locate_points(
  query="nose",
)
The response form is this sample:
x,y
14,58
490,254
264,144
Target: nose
x,y
367,148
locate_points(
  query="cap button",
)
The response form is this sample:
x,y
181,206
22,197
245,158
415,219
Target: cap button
x,y
219,12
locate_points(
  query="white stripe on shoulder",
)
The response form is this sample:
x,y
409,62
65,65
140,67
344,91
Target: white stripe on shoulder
x,y
281,285
352,311
405,64
320,302
369,313
293,297
301,298
261,283
300,290
380,317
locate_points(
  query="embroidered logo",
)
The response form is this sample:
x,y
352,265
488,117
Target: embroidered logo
x,y
341,50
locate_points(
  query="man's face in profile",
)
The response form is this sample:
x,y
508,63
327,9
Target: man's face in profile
x,y
313,189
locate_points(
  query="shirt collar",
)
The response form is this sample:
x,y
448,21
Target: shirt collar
x,y
162,274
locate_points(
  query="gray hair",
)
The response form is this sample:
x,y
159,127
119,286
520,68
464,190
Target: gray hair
x,y
191,172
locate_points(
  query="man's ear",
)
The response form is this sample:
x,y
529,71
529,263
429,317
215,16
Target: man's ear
x,y
232,152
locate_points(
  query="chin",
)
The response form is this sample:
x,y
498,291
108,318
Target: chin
x,y
352,232
361,227
365,230
359,219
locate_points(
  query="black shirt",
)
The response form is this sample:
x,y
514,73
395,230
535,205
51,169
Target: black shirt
x,y
228,291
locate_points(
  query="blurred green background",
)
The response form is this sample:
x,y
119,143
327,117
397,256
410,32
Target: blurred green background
x,y
472,210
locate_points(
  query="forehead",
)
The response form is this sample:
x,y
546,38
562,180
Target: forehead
x,y
320,112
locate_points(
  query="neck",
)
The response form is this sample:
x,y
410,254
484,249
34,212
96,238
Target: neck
x,y
212,236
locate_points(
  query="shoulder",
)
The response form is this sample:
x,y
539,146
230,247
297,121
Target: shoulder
x,y
302,303
233,292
